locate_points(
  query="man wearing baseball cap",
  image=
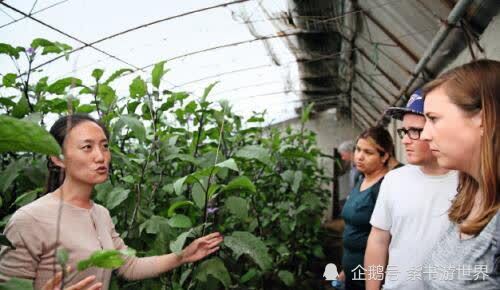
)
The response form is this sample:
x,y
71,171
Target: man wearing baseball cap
x,y
411,210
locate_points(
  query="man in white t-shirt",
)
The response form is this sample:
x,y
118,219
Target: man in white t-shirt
x,y
411,210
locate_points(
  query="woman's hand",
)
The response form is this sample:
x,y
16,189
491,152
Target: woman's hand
x,y
201,247
55,284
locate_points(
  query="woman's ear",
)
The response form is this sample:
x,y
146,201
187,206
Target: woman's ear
x,y
58,160
477,119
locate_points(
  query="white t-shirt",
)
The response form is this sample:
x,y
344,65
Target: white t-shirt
x,y
413,207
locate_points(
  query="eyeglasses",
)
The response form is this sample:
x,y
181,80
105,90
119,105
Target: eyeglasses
x,y
413,133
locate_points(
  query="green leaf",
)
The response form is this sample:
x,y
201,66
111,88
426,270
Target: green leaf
x,y
230,164
97,73
213,267
17,284
198,195
41,85
207,91
297,179
27,197
41,42
9,80
180,221
115,197
10,174
178,185
249,275
59,86
86,108
248,244
7,102
138,88
20,135
116,75
254,152
154,225
177,245
135,125
107,259
176,205
9,50
183,157
5,242
237,206
286,277
240,183
306,113
157,73
21,109
106,94
62,256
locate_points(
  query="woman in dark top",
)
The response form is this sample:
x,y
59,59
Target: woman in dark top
x,y
371,157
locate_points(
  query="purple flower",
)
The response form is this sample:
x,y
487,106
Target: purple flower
x,y
212,210
30,50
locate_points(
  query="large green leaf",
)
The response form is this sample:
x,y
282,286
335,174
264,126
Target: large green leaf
x,y
9,50
297,179
135,125
230,164
138,88
255,152
157,73
177,245
237,206
207,91
246,243
107,259
240,183
180,221
10,173
213,267
27,197
21,135
17,284
59,86
115,197
183,157
154,225
176,205
286,277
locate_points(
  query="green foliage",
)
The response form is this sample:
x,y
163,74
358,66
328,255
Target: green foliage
x,y
213,267
182,167
17,284
108,259
20,135
246,243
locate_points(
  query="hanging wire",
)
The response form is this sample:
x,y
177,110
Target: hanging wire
x,y
33,13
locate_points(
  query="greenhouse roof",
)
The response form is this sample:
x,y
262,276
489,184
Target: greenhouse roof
x,y
269,55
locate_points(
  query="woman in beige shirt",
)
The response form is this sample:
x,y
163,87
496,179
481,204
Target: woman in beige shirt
x,y
84,226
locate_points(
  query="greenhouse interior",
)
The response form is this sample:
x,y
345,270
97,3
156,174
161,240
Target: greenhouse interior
x,y
250,144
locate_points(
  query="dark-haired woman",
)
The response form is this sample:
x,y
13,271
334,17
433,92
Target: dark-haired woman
x,y
84,226
371,156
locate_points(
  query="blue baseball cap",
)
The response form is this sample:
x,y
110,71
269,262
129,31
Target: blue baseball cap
x,y
415,105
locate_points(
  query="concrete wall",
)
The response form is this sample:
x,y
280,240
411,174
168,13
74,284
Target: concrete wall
x,y
330,131
489,41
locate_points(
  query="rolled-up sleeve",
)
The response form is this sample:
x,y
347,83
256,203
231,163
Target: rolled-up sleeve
x,y
134,268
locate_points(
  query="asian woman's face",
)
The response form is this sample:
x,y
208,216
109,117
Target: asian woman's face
x,y
454,136
86,154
